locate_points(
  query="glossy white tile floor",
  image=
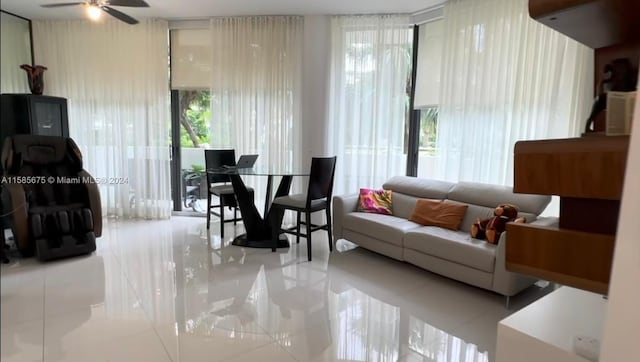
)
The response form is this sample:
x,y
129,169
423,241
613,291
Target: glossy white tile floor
x,y
170,291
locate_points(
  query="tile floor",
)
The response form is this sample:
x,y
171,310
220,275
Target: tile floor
x,y
171,291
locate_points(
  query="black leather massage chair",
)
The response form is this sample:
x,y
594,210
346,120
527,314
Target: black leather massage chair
x,y
54,203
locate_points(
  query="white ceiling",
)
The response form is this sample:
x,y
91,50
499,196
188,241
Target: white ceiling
x,y
193,9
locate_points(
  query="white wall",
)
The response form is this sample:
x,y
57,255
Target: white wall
x,y
315,95
315,86
621,336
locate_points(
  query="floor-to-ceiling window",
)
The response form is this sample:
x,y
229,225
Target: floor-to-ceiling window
x,y
256,92
235,84
428,135
115,77
503,78
369,98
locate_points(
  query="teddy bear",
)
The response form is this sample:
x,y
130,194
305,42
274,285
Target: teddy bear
x,y
491,228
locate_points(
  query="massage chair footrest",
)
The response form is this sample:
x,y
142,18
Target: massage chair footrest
x,y
61,232
65,246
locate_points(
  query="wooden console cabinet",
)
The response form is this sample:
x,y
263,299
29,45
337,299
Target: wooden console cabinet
x,y
587,173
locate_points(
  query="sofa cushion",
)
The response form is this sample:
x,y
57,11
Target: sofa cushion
x,y
390,229
419,187
443,213
492,195
455,246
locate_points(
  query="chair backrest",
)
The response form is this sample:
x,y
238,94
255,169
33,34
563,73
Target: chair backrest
x,y
216,159
321,178
47,157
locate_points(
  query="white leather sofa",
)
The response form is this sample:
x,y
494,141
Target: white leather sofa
x,y
454,254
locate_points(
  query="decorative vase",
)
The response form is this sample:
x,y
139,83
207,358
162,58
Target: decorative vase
x,y
35,76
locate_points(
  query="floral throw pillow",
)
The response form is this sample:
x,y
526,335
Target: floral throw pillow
x,y
375,201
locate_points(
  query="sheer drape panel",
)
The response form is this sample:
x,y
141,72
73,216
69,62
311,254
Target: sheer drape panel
x,y
505,78
255,90
115,77
370,68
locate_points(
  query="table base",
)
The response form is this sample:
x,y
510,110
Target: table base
x,y
241,240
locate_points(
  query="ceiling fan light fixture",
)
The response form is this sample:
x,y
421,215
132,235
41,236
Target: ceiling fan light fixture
x,y
94,12
94,8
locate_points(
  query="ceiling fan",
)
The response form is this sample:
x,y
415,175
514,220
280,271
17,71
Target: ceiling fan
x,y
95,8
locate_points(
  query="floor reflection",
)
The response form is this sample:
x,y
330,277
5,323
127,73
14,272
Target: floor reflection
x,y
171,290
433,344
329,309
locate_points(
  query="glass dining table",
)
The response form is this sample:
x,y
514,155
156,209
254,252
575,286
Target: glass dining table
x,y
260,229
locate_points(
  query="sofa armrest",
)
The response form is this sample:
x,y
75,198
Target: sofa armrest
x,y
504,281
342,205
545,221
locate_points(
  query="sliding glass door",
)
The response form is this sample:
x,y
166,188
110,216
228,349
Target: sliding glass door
x,y
191,116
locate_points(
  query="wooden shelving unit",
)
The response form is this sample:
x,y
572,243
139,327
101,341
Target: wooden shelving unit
x,y
595,23
587,173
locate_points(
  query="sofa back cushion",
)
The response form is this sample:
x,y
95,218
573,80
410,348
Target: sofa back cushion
x,y
475,212
407,190
419,187
403,205
491,196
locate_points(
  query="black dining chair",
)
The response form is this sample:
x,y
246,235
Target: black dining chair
x,y
317,198
220,186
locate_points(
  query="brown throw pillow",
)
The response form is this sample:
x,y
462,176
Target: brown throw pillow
x,y
442,213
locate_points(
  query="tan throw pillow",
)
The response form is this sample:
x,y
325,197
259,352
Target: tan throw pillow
x,y
442,213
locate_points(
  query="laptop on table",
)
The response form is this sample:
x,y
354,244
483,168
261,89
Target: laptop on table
x,y
245,161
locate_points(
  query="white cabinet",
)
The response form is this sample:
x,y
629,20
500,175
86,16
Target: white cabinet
x,y
545,330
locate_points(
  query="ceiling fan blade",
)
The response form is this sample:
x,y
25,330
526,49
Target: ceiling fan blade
x,y
129,3
60,5
119,15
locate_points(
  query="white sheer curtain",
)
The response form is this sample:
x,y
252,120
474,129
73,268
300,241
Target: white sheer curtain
x,y
505,78
370,68
116,79
255,90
